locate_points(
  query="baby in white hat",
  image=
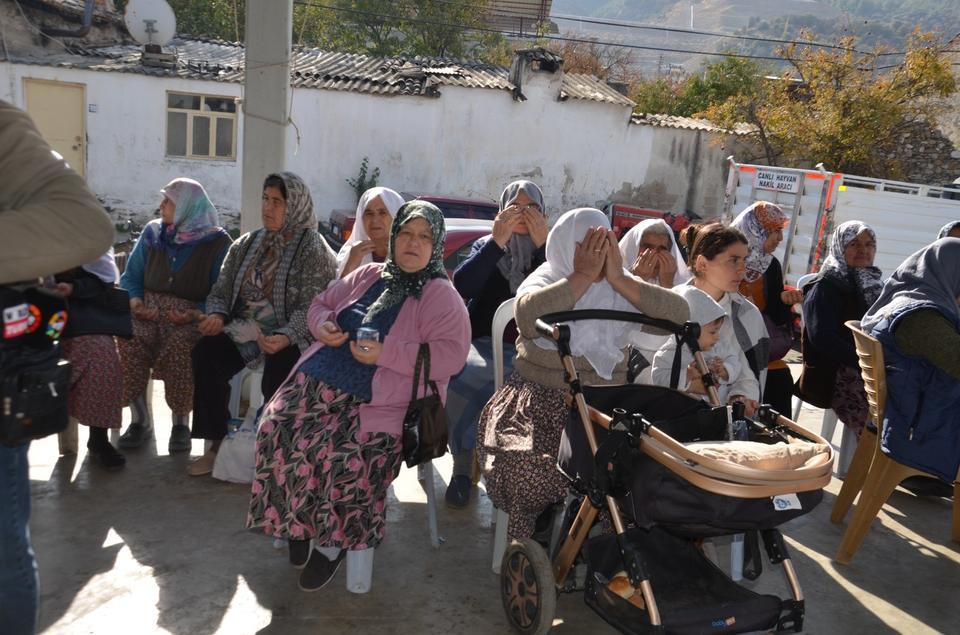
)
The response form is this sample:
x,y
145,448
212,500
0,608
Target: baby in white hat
x,y
723,359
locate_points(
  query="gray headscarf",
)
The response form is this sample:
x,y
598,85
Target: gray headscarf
x,y
867,280
946,229
400,284
516,262
929,277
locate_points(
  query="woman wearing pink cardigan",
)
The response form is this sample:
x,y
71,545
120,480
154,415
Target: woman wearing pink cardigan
x,y
329,440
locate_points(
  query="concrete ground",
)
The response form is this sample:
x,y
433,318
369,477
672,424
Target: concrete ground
x,y
152,550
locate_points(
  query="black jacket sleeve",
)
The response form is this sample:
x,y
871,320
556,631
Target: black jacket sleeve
x,y
470,278
775,309
823,320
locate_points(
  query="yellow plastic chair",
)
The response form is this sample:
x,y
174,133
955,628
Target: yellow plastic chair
x,y
873,474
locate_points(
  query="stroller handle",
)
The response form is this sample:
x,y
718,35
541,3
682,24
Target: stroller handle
x,y
547,325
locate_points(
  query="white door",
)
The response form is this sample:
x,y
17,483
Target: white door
x,y
57,108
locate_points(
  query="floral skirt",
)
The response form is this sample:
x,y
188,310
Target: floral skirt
x,y
318,476
519,439
95,398
850,399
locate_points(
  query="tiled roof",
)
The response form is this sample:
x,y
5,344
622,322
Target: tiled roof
x,y
217,60
687,123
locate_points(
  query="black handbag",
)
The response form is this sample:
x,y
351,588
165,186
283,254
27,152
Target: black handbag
x,y
34,381
425,424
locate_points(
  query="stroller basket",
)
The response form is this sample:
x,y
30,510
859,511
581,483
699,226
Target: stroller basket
x,y
693,595
734,499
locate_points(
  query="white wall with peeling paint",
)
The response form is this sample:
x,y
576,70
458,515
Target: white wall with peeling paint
x,y
469,142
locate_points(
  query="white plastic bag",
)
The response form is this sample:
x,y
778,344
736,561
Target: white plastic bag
x,y
236,460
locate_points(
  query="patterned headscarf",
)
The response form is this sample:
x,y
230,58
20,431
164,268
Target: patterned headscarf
x,y
400,284
946,229
928,278
515,263
757,222
195,218
297,218
868,280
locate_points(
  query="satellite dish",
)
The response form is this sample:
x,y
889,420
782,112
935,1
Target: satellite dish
x,y
150,21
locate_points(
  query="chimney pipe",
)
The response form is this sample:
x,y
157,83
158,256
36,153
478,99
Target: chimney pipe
x,y
77,33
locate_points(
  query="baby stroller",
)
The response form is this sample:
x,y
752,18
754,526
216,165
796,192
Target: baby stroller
x,y
624,451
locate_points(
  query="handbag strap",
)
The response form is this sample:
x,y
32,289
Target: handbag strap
x,y
423,362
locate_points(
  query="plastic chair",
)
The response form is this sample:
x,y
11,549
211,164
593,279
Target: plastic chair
x,y
255,390
872,470
501,318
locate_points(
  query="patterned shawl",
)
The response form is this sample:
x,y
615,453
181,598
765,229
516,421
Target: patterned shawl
x,y
757,222
400,284
298,217
867,280
194,221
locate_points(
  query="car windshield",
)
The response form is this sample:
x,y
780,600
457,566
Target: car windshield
x,y
466,210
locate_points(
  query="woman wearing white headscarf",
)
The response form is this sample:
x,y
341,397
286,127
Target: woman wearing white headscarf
x,y
371,230
650,252
96,315
520,426
491,274
847,285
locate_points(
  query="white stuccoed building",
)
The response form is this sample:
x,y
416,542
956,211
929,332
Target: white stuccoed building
x,y
431,126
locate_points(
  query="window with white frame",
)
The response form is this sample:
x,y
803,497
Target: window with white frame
x,y
201,126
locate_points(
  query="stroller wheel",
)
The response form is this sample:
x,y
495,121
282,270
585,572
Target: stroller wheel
x,y
527,588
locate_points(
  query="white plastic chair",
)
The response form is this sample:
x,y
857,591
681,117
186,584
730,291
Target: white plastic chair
x,y
848,441
255,390
501,318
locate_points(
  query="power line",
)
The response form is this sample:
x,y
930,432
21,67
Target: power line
x,y
558,38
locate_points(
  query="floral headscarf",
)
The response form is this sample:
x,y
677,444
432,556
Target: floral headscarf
x,y
514,265
400,284
195,218
297,218
868,280
757,222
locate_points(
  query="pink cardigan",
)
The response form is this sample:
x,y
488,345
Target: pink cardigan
x,y
439,318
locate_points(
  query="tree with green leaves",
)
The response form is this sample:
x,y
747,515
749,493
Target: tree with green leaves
x,y
842,107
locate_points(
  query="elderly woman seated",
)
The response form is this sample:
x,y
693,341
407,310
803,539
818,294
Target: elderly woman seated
x,y
257,310
329,441
917,319
371,230
520,426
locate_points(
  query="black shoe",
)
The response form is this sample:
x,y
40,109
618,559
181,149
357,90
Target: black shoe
x,y
458,491
134,436
179,439
107,456
299,552
319,571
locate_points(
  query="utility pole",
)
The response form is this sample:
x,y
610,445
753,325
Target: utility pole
x,y
266,95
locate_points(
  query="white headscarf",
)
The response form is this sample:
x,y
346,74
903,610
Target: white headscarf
x,y
390,199
600,342
703,308
104,267
630,248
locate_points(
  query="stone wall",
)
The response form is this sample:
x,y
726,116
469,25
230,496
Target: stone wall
x,y
926,155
